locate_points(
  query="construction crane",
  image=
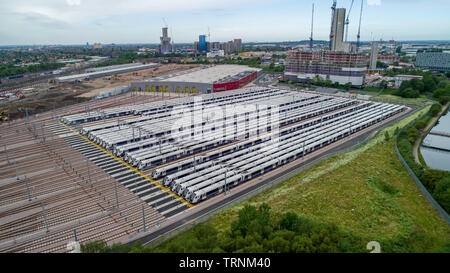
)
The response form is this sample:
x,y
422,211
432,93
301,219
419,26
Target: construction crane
x,y
358,43
347,21
209,36
333,11
312,29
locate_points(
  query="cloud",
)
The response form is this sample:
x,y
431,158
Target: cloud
x,y
374,2
73,2
87,10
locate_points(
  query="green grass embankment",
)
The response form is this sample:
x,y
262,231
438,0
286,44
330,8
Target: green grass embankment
x,y
365,192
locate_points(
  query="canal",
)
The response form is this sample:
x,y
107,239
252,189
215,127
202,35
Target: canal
x,y
435,148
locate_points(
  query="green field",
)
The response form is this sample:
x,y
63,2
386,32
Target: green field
x,y
365,192
393,97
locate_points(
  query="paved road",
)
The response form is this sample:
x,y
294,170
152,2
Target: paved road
x,y
275,179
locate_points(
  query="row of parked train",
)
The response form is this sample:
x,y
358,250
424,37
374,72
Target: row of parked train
x,y
199,180
207,153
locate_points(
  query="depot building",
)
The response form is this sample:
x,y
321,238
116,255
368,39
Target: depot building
x,y
203,80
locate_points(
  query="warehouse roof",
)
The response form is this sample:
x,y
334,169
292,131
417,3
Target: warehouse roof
x,y
107,72
207,74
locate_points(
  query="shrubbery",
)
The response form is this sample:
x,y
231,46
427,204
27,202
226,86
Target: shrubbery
x,y
442,193
432,84
257,230
435,109
437,182
10,69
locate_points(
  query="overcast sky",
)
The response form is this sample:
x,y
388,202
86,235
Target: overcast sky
x,y
140,21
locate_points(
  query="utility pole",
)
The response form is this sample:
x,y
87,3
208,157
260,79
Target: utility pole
x,y
68,154
43,135
195,164
143,218
15,167
53,142
303,154
45,217
6,153
117,196
89,171
225,184
28,188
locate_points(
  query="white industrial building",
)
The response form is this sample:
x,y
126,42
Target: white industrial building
x,y
205,79
106,71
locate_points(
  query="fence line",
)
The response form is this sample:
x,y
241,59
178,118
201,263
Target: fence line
x,y
419,183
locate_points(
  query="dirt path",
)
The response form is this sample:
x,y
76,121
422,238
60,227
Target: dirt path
x,y
425,133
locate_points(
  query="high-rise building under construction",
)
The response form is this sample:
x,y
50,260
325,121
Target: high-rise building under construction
x,y
337,37
341,67
166,46
338,64
338,29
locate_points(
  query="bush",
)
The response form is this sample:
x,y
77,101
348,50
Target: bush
x,y
435,109
432,177
412,134
408,93
442,193
420,125
444,100
442,92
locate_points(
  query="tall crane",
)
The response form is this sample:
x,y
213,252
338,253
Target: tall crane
x,y
333,11
312,29
358,43
347,21
209,36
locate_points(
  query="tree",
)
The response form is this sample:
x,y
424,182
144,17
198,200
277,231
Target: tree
x,y
435,109
442,193
347,86
386,136
412,134
428,84
441,92
420,125
94,247
442,84
443,100
279,245
409,93
417,84
381,64
289,221
431,178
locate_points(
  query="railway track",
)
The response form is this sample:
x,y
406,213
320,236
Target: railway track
x,y
99,208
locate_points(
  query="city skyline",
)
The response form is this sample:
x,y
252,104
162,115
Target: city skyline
x,y
78,21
